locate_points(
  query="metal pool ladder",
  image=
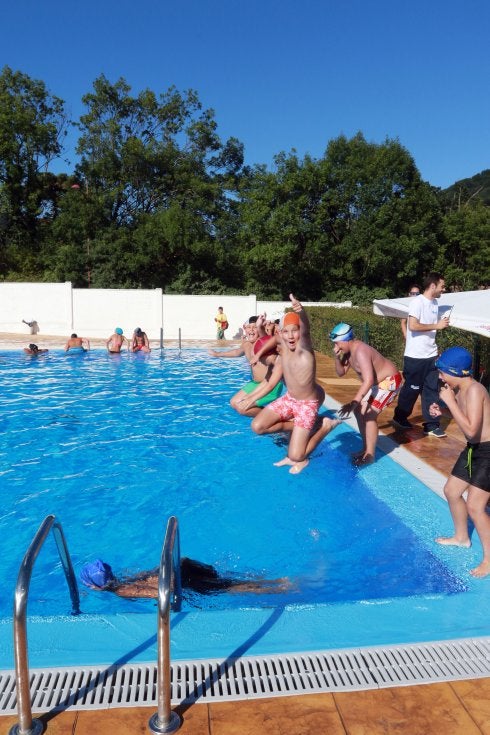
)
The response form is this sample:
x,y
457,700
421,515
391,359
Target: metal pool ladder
x,y
26,725
169,595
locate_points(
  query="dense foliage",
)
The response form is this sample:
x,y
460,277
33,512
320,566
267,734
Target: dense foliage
x,y
157,199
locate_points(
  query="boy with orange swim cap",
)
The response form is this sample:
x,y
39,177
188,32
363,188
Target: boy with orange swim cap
x,y
297,410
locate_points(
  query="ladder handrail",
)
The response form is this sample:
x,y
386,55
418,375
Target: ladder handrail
x,y
26,723
169,595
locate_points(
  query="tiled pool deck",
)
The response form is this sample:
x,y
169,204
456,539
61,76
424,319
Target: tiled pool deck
x,y
453,708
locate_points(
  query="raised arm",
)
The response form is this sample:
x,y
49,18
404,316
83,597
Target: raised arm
x,y
260,324
236,352
305,337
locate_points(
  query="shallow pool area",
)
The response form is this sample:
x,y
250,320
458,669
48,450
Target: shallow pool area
x,y
113,445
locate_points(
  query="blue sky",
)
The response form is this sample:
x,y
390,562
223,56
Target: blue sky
x,y
281,74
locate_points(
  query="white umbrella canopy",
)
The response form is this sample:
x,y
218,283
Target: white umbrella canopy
x,y
468,310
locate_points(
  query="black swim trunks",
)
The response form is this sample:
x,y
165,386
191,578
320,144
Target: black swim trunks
x,y
473,465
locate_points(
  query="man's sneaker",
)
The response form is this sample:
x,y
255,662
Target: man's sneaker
x,y
438,432
401,423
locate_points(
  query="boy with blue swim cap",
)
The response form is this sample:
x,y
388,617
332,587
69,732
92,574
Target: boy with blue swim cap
x,y
116,341
469,404
380,384
342,332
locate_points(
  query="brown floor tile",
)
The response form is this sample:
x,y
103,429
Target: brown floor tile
x,y
63,723
123,721
305,715
475,697
416,710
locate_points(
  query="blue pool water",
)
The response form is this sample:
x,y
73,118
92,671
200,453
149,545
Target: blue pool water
x,y
113,445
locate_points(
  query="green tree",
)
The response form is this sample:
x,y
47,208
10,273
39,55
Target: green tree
x,y
385,222
282,240
465,259
32,125
155,167
360,218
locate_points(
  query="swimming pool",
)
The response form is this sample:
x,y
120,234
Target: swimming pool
x,y
113,445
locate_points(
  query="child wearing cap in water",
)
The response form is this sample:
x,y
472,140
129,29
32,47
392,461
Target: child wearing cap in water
x,y
297,410
469,404
194,575
116,341
380,384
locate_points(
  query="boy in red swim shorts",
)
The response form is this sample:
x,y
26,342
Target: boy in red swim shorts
x,y
380,385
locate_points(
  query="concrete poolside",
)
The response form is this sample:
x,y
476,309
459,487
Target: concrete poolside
x,y
454,708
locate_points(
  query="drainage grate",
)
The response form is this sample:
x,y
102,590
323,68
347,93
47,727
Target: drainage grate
x,y
252,677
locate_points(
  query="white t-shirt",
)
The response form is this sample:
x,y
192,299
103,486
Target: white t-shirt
x,y
422,344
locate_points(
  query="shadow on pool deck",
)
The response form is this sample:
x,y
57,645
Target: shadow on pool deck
x,y
453,708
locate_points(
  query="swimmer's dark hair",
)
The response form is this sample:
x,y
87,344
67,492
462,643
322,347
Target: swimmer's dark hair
x,y
74,335
204,578
33,348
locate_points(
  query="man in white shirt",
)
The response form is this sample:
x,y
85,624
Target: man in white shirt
x,y
419,368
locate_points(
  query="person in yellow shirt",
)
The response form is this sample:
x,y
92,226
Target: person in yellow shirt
x,y
221,323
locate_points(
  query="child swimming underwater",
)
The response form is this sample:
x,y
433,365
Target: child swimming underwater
x,y
195,576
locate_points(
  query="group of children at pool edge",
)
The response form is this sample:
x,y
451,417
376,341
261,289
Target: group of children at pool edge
x,y
115,343
289,355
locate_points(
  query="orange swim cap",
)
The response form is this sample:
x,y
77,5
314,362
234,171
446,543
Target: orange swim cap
x,y
291,318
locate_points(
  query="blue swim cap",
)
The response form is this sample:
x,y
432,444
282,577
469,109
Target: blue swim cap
x,y
118,330
342,333
96,574
455,361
